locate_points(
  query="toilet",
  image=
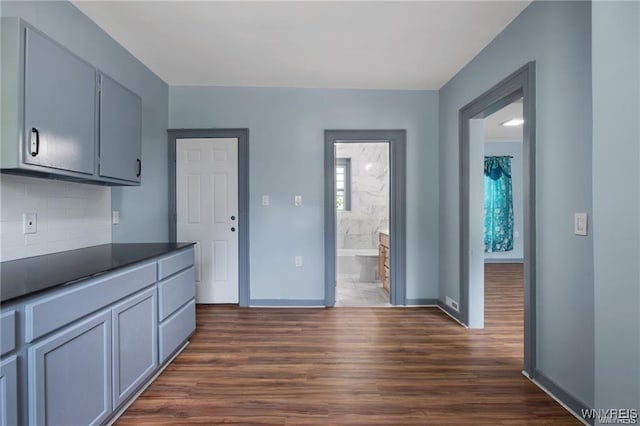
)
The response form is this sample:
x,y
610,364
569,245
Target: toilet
x,y
367,260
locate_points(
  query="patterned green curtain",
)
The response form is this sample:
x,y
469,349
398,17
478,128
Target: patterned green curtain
x,y
498,204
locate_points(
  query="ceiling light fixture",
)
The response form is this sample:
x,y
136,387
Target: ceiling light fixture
x,y
513,122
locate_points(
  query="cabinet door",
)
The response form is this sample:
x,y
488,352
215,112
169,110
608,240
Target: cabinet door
x,y
9,392
135,349
60,107
70,375
120,132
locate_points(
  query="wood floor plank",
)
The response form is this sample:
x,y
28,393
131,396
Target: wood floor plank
x,y
360,366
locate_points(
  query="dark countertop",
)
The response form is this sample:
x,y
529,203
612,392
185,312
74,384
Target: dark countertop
x,y
25,277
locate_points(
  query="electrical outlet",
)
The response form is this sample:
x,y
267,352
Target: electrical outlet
x,y
265,200
298,261
29,223
452,303
297,200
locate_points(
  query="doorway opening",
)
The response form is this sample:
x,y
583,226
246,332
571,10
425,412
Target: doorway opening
x,y
361,266
503,215
519,85
362,224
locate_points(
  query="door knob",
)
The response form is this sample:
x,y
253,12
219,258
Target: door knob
x,y
233,229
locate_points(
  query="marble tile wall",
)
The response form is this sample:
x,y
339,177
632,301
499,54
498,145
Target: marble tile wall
x,y
359,227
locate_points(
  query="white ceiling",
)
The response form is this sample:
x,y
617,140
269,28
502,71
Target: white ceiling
x,y
325,44
494,131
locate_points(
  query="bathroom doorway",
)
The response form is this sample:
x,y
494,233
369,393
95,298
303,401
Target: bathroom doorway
x,y
362,223
365,217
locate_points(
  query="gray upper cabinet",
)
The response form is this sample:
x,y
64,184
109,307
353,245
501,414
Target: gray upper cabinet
x,y
55,122
60,107
120,132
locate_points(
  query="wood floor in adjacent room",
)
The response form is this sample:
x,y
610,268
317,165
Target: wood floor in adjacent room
x,y
365,366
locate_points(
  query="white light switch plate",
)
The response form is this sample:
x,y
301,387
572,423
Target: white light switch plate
x,y
580,224
115,217
265,200
297,200
298,261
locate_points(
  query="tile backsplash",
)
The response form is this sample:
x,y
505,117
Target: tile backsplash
x,y
70,215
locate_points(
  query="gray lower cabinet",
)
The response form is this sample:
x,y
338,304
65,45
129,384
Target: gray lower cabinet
x,y
69,374
9,391
76,354
135,349
176,301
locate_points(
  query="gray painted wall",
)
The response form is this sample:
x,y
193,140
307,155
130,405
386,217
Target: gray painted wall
x,y
557,35
513,149
143,210
286,142
616,195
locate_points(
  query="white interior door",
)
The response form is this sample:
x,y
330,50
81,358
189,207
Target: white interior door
x,y
207,213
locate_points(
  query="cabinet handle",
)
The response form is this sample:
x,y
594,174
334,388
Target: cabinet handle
x,y
139,167
35,142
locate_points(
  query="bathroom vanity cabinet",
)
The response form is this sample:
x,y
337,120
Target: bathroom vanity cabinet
x,y
383,260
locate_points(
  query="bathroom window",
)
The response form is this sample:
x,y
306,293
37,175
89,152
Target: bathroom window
x,y
343,184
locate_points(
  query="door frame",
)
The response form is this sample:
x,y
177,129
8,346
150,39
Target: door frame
x,y
521,83
397,140
243,195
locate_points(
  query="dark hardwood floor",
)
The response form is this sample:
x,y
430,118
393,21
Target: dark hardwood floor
x,y
366,366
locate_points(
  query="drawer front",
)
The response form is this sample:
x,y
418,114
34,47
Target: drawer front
x,y
173,263
63,307
7,332
176,329
175,292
